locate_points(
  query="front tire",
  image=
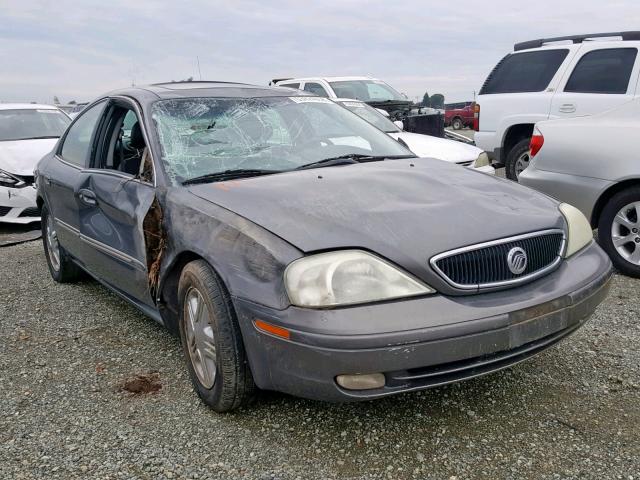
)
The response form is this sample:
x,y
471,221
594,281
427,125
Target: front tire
x,y
457,124
61,267
619,231
211,340
517,159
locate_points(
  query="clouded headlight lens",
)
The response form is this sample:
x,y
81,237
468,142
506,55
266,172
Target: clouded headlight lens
x,y
345,278
579,230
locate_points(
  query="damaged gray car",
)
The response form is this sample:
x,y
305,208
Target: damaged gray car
x,y
295,247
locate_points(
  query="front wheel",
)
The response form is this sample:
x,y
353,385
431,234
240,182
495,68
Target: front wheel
x,y
211,340
619,231
457,124
518,159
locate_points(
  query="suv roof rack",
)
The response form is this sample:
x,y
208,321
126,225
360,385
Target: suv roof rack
x,y
160,84
631,35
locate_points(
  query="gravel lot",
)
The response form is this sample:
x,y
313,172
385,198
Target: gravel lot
x,y
67,350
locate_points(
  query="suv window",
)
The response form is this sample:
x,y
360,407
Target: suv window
x,y
316,89
290,85
77,142
603,71
524,72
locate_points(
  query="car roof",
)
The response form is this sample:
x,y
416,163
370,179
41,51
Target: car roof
x,y
204,89
327,79
26,106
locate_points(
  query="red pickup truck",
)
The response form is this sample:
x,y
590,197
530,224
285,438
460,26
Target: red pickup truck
x,y
459,115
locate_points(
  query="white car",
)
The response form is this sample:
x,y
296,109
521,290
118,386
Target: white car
x,y
552,78
592,163
27,133
422,145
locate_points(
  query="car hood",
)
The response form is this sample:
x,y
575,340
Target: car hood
x,y
404,210
20,157
435,147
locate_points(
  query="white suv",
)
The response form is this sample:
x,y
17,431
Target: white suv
x,y
552,78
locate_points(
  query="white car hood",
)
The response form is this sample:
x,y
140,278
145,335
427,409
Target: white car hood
x,y
20,157
440,148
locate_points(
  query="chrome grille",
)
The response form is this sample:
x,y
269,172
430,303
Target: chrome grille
x,y
486,266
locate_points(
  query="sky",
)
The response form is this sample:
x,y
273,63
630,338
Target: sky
x,y
79,50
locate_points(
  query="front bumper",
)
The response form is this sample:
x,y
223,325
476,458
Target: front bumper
x,y
425,342
488,169
18,205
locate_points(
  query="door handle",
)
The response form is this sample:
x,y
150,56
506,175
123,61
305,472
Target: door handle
x,y
87,197
567,108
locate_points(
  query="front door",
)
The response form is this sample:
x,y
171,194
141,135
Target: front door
x,y
114,200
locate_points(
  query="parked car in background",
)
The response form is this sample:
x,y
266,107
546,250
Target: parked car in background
x,y
459,115
77,108
422,145
550,78
27,133
296,247
592,163
373,91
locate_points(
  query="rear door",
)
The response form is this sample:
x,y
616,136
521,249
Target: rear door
x,y
116,195
66,172
599,79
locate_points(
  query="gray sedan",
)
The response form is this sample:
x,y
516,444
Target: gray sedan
x,y
295,247
592,163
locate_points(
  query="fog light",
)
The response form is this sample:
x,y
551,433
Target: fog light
x,y
360,381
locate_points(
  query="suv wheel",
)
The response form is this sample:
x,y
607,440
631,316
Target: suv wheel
x,y
457,124
61,267
212,341
517,159
619,231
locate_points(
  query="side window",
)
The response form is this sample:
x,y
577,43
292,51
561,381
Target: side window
x,y
77,142
290,85
524,72
316,89
603,71
123,147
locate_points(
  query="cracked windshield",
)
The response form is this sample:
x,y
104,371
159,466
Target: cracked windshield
x,y
201,137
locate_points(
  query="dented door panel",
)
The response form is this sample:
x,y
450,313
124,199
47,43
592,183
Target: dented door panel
x,y
112,208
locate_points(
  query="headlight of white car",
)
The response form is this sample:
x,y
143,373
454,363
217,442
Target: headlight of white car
x,y
579,230
347,277
8,180
482,161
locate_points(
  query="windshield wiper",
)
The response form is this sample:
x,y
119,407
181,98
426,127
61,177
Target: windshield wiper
x,y
349,159
228,175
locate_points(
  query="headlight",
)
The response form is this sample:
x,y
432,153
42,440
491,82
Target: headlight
x,y
580,233
482,161
8,180
347,277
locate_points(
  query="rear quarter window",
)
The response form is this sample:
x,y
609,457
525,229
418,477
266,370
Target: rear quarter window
x,y
524,72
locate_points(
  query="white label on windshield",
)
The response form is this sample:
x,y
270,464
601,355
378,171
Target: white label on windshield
x,y
379,82
47,111
310,100
353,104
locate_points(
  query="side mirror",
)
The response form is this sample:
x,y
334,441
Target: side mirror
x,y
399,124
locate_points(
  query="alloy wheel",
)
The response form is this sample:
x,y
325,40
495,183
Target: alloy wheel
x,y
200,338
52,244
522,163
625,232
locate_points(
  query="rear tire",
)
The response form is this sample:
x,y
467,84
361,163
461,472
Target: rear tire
x,y
616,225
457,124
212,341
61,267
517,159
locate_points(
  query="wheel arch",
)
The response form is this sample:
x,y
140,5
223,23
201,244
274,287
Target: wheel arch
x,y
513,135
605,196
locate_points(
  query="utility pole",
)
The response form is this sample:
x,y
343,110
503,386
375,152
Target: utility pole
x,y
199,72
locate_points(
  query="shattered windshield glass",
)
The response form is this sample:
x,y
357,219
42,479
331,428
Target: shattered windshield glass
x,y
204,136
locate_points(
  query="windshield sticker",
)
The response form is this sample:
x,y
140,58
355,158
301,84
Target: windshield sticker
x,y
47,111
379,82
310,100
